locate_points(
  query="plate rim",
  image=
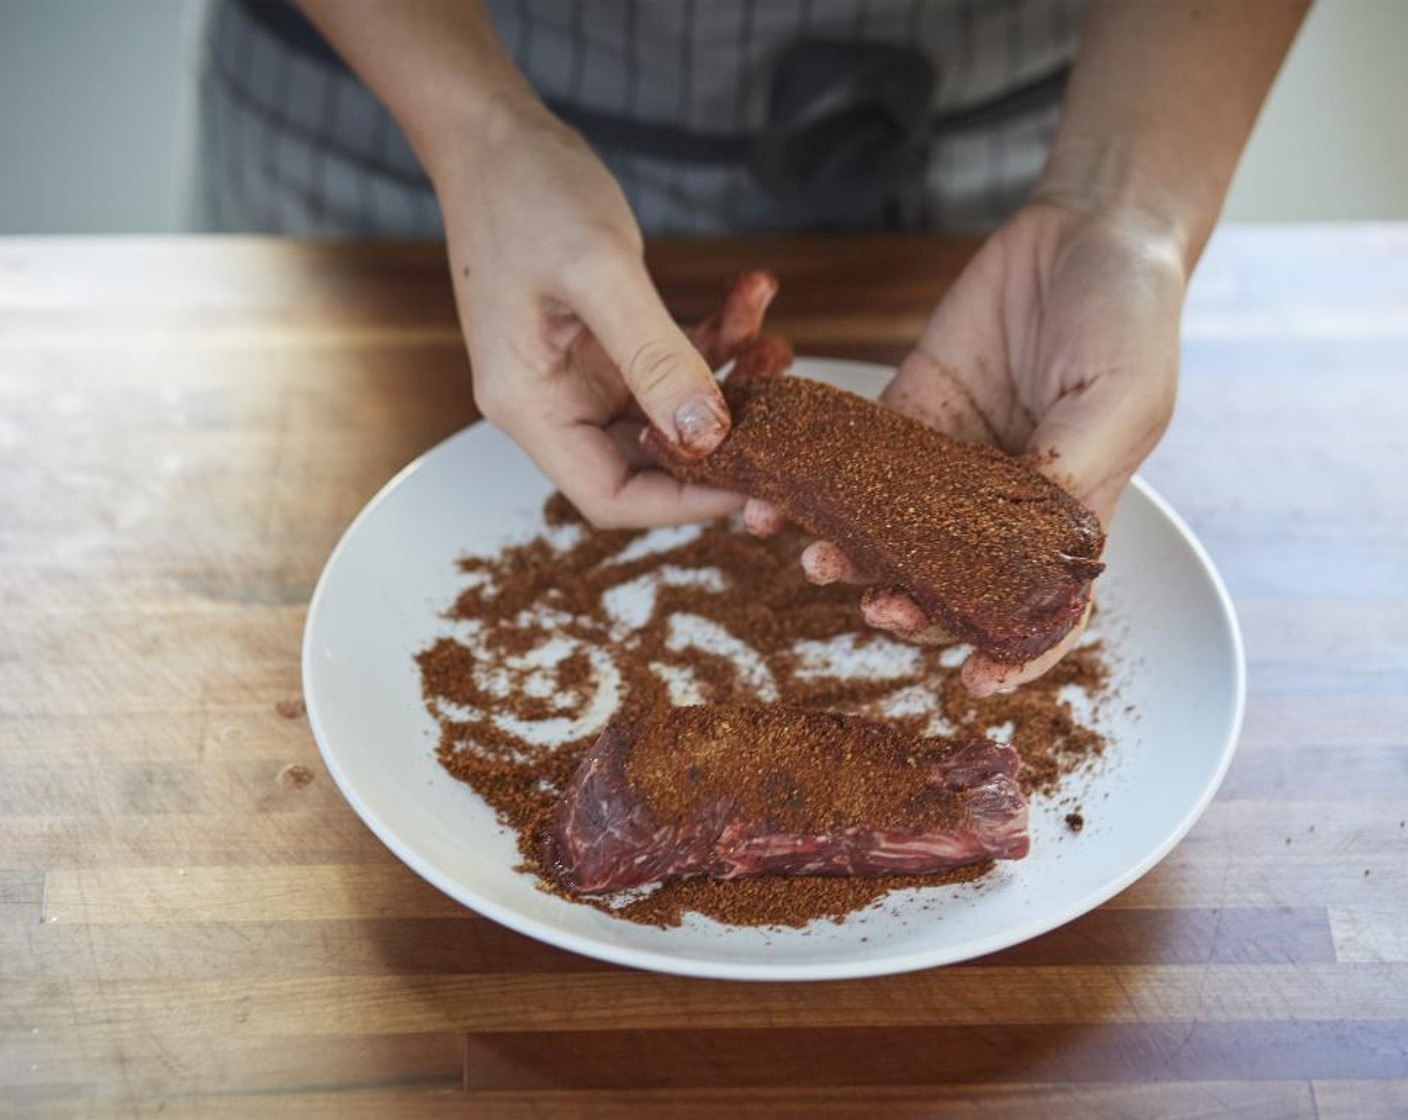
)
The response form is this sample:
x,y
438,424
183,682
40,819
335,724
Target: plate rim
x,y
710,968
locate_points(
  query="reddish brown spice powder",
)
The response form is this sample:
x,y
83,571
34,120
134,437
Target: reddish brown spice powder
x,y
829,771
483,686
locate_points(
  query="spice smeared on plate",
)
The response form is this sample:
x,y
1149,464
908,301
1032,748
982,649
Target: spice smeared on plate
x,y
555,636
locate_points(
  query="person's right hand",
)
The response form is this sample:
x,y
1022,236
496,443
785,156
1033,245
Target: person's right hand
x,y
572,349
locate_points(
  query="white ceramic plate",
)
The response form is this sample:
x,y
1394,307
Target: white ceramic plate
x,y
1166,619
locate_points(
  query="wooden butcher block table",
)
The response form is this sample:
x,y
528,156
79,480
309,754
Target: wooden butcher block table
x,y
194,923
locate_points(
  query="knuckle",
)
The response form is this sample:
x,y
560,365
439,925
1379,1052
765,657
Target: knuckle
x,y
611,518
1168,399
490,401
580,272
600,511
651,367
597,259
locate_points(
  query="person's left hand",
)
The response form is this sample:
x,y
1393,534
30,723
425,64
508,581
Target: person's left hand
x,y
1058,342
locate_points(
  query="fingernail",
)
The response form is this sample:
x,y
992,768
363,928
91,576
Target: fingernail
x,y
700,423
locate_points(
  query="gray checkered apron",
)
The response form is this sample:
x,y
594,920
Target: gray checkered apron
x,y
293,143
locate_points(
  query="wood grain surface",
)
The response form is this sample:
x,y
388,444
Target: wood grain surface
x,y
189,926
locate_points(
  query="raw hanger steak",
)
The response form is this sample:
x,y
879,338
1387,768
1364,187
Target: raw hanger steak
x,y
729,791
994,552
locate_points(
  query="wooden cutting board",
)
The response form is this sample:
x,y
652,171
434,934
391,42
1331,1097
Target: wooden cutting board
x,y
194,923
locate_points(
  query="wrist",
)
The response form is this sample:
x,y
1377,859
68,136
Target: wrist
x,y
475,127
1149,217
1118,233
1106,181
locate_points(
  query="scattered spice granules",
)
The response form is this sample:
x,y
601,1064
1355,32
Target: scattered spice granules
x,y
295,774
553,636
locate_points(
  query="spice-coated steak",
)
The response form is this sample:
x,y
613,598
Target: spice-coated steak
x,y
728,792
994,552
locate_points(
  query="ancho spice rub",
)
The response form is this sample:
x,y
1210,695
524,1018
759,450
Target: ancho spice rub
x,y
997,554
730,791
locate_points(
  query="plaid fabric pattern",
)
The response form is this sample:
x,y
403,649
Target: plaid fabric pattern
x,y
293,143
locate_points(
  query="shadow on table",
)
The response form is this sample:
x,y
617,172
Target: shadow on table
x,y
1079,1004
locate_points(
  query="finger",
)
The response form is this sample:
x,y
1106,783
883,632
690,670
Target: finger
x,y
1092,439
982,676
588,359
956,378
888,609
761,518
823,562
766,356
931,391
891,610
738,321
587,465
626,434
666,375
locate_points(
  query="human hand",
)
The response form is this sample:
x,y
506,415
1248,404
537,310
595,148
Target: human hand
x,y
1059,342
572,350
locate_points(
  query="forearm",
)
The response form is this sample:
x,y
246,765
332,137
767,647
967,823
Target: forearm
x,y
438,66
1162,100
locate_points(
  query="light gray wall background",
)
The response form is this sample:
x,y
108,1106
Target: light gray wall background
x,y
97,120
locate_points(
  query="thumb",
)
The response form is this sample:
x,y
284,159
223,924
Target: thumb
x,y
666,374
947,382
1092,439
